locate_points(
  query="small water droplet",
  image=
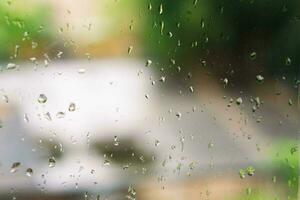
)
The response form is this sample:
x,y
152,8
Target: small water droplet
x,y
148,63
42,98
161,9
239,101
72,107
116,141
29,172
191,89
14,167
253,55
288,61
225,81
162,79
156,143
178,115
26,119
60,115
260,78
106,163
242,173
11,66
129,50
81,71
5,98
250,171
210,145
51,162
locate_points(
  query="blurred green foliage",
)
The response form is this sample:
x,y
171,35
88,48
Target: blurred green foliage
x,y
285,165
28,30
221,34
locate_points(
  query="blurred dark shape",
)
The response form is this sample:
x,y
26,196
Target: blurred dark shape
x,y
221,35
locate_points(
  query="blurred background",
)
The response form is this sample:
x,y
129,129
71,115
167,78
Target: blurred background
x,y
156,99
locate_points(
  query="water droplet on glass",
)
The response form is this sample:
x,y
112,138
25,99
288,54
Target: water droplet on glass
x,y
42,98
148,63
156,143
26,119
129,50
81,71
259,78
239,101
116,141
14,167
178,115
288,61
253,55
72,107
51,162
290,102
5,98
29,172
161,9
47,115
225,81
60,115
162,79
11,66
250,171
210,145
106,163
191,89
242,173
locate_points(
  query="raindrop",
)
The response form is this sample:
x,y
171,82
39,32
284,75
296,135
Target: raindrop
x,y
242,173
253,55
161,9
210,145
81,71
239,101
178,115
260,78
11,66
288,61
162,79
42,98
150,6
26,119
34,45
48,116
148,63
191,89
29,172
116,141
156,143
129,50
60,115
51,162
250,171
14,167
5,98
72,107
17,49
59,54
225,81
106,163
290,102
